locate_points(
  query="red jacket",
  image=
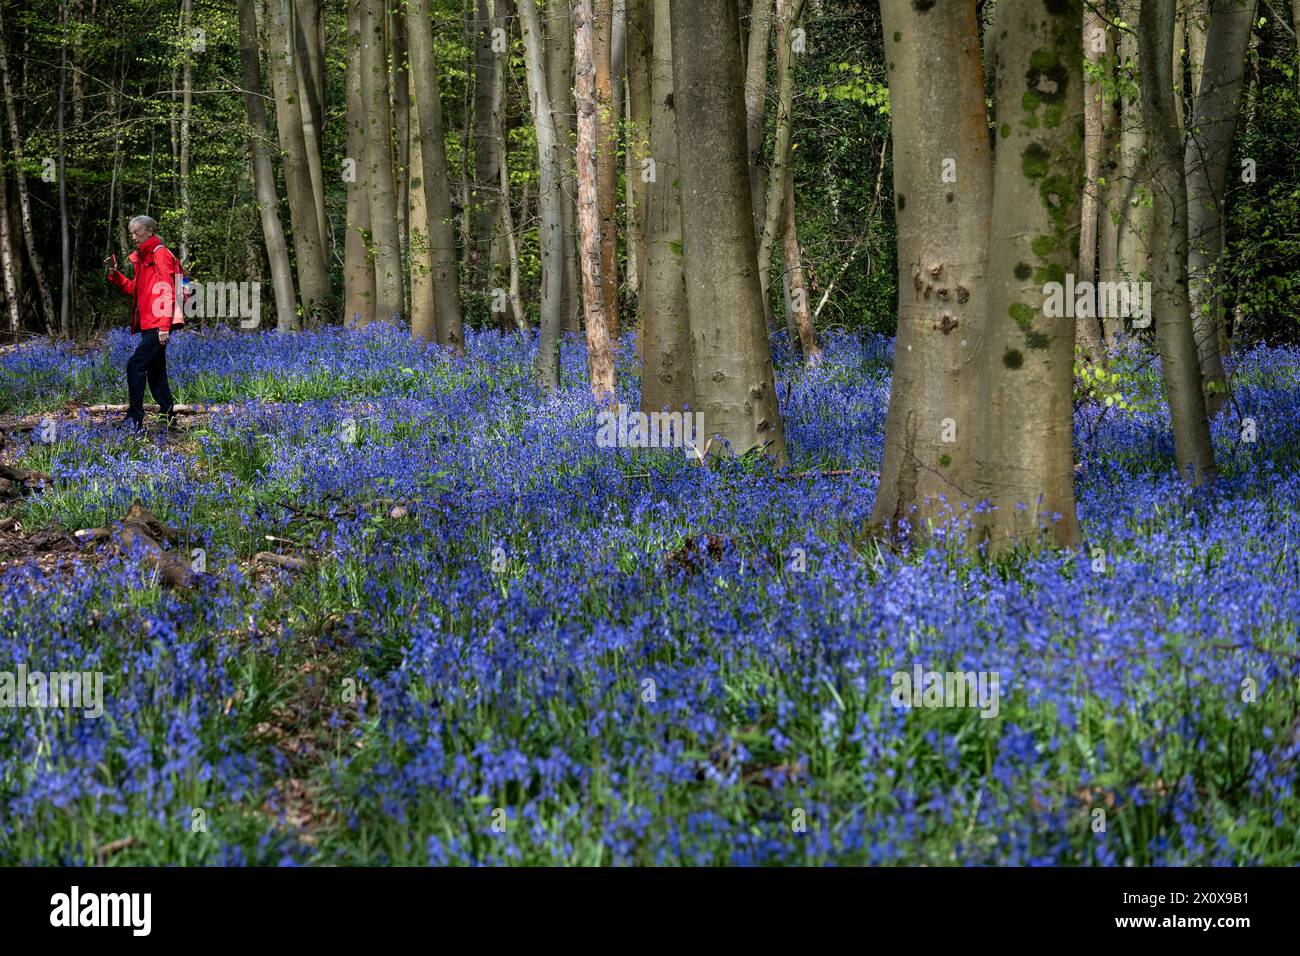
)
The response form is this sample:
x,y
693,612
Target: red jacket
x,y
154,272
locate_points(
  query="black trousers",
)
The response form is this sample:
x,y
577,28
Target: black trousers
x,y
148,364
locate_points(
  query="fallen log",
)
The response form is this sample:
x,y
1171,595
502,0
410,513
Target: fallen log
x,y
7,523
22,476
122,409
288,562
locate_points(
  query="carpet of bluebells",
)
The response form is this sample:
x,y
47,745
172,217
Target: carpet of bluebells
x,y
565,654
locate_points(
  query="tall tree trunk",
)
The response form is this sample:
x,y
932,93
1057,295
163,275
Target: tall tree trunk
x,y
548,199
486,257
1133,246
787,15
600,345
309,72
20,183
399,92
1196,18
1179,362
277,250
437,187
1094,51
639,31
424,324
512,246
760,30
8,254
1205,160
606,156
384,231
65,244
309,251
559,80
734,382
797,301
1295,21
1111,195
667,377
187,103
1024,458
358,270
930,428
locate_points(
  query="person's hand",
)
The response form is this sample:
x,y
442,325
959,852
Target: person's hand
x,y
111,263
163,335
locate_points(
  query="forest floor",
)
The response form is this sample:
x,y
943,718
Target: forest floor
x,y
375,604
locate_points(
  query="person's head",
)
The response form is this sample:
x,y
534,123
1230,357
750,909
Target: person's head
x,y
141,228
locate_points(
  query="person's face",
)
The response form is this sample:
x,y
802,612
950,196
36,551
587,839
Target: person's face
x,y
139,233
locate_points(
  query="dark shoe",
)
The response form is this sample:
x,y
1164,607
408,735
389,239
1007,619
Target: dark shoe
x,y
128,424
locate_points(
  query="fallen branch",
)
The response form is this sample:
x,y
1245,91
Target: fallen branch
x,y
141,530
102,853
397,509
832,473
7,523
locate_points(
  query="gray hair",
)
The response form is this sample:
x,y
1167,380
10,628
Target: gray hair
x,y
145,221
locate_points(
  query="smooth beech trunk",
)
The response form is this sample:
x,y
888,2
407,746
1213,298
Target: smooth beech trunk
x,y
1094,51
1024,458
1179,362
734,382
277,249
1133,241
559,81
399,104
550,175
788,13
309,70
424,323
187,107
930,428
1110,195
667,377
487,255
600,346
760,32
437,189
358,270
309,250
1205,161
378,168
640,28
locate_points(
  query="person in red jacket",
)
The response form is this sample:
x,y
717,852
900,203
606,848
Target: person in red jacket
x,y
155,314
